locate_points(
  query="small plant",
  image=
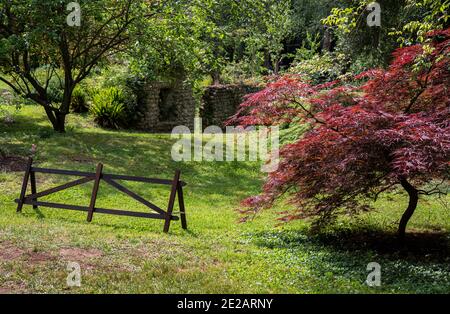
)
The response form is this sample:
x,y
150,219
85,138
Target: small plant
x,y
108,108
310,47
320,69
130,86
79,102
6,97
55,90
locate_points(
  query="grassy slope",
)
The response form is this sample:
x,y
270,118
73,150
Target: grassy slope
x,y
216,255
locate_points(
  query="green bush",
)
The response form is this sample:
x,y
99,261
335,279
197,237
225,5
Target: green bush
x,y
120,78
309,49
243,72
6,116
322,68
55,90
79,101
108,108
7,101
6,97
366,61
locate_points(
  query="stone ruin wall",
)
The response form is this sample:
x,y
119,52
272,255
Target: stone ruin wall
x,y
222,101
166,106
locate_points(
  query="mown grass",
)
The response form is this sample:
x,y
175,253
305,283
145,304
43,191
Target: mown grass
x,y
216,254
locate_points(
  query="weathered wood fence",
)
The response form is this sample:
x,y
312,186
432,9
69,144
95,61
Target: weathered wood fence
x,y
111,179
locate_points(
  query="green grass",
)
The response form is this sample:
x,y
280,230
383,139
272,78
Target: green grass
x,y
217,254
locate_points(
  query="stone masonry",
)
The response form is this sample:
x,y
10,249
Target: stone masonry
x,y
167,106
220,102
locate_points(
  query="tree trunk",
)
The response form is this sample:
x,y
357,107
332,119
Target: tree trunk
x,y
327,40
413,200
216,77
60,125
59,122
276,67
57,119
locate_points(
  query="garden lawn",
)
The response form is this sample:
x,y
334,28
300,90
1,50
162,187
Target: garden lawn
x,y
217,254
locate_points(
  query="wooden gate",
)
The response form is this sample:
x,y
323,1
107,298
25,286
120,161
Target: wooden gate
x,y
111,179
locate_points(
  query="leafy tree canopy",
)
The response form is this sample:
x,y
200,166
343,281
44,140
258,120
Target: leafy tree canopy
x,y
403,23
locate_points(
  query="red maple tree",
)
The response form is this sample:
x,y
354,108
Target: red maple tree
x,y
364,140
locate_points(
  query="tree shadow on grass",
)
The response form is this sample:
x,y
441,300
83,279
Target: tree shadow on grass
x,y
424,246
419,264
429,246
34,124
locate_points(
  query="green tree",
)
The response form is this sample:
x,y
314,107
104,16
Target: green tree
x,y
278,26
177,45
193,38
403,22
422,16
37,45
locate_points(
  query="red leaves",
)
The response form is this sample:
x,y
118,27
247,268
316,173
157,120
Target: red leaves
x,y
417,80
273,105
425,148
363,139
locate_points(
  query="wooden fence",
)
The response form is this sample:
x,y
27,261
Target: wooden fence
x,y
111,179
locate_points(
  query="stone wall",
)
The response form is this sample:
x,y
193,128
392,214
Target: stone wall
x,y
220,102
166,106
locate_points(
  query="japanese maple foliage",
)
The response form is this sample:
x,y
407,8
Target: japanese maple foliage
x,y
393,130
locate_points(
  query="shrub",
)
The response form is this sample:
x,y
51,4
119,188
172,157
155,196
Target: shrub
x,y
322,68
6,117
243,72
55,90
119,78
79,101
108,108
309,49
6,97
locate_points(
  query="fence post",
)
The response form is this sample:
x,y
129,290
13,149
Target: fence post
x,y
182,208
98,177
33,186
173,194
24,185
